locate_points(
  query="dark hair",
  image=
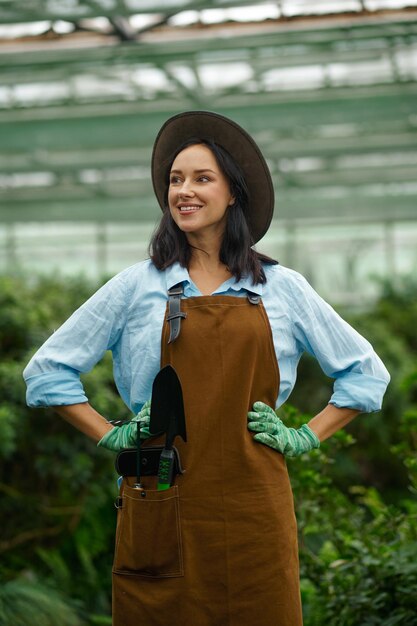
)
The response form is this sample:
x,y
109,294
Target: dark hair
x,y
169,244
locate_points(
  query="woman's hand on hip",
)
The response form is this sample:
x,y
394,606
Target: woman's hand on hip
x,y
125,435
271,431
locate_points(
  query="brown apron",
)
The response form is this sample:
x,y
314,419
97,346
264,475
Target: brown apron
x,y
219,548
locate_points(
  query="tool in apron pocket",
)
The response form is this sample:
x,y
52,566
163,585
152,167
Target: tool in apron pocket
x,y
167,416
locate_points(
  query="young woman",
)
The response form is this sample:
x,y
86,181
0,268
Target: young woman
x,y
219,546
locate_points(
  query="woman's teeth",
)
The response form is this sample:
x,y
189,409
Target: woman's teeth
x,y
188,209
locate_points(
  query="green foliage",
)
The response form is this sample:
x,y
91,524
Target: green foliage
x,y
30,313
398,306
57,489
355,496
390,328
406,449
357,553
24,602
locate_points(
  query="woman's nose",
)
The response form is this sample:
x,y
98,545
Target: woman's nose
x,y
186,189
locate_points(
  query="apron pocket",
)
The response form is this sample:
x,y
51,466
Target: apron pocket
x,y
148,535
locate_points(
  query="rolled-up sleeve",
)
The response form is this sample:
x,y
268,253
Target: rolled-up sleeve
x,y
52,375
343,354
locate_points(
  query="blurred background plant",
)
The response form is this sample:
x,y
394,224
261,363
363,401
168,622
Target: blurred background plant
x,y
355,496
58,518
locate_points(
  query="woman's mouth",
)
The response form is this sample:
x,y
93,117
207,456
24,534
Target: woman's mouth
x,y
189,208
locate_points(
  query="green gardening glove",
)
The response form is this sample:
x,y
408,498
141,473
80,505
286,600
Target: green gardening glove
x,y
125,436
271,431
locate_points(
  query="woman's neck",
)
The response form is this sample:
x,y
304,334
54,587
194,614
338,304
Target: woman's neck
x,y
207,271
203,261
204,247
205,268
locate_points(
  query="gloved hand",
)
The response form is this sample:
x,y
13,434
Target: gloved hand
x,y
272,432
125,436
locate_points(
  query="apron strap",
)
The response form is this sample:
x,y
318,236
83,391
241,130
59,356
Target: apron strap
x,y
174,311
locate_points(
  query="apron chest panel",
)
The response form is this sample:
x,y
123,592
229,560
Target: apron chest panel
x,y
235,510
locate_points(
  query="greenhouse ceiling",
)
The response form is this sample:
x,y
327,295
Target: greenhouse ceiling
x,y
330,97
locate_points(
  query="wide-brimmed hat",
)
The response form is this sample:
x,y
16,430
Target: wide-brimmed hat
x,y
238,143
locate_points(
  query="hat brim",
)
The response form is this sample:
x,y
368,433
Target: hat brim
x,y
240,145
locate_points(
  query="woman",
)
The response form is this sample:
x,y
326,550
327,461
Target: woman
x,y
220,546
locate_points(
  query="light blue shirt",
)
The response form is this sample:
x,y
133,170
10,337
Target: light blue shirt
x,y
126,316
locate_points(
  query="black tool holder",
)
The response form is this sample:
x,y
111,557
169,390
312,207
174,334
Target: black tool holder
x,y
126,461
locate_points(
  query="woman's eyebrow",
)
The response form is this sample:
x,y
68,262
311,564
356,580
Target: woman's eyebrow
x,y
206,169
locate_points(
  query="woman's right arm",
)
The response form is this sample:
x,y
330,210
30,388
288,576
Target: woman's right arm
x,y
84,418
53,374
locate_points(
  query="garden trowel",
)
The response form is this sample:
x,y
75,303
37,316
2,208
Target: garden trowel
x,y
167,416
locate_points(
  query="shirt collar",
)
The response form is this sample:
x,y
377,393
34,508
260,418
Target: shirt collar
x,y
246,283
177,274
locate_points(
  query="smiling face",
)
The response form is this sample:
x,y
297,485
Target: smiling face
x,y
199,193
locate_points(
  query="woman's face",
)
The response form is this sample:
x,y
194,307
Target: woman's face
x,y
199,193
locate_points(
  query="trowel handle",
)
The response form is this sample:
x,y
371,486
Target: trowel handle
x,y
166,469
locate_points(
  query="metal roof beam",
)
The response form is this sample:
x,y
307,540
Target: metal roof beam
x,y
293,44
278,143
38,10
83,123
42,72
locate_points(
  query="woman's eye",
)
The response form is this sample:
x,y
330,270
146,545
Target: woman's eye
x,y
174,180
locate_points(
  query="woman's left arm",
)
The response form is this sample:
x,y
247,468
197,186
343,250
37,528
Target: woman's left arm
x,y
360,377
330,420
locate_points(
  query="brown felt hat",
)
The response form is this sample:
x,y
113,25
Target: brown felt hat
x,y
238,143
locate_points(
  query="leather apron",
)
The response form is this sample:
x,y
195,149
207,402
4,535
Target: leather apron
x,y
219,548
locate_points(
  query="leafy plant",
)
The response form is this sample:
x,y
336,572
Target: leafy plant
x,y
357,553
24,602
